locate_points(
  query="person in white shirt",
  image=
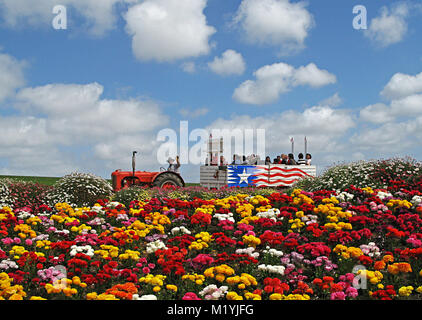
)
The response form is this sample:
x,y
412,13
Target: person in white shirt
x,y
308,159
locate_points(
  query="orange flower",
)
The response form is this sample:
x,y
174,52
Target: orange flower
x,y
387,258
379,265
393,269
123,291
404,267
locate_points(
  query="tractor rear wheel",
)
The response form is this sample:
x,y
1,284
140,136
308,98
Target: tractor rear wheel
x,y
168,179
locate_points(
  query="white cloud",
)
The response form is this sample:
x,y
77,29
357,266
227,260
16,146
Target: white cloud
x,y
276,79
168,30
195,113
390,27
396,126
402,85
333,101
70,106
59,117
278,23
189,67
230,63
99,16
376,113
11,75
312,76
389,137
404,93
324,127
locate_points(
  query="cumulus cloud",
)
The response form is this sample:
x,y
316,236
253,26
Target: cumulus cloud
x,y
279,23
402,85
273,80
99,16
395,126
324,127
404,93
11,75
390,26
376,113
333,101
388,138
168,30
58,117
230,63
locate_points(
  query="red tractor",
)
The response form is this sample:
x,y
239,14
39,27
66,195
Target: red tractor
x,y
126,179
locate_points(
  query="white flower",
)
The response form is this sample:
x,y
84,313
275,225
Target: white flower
x,y
383,195
270,214
416,200
272,269
250,251
87,250
273,252
223,216
180,230
155,245
144,297
212,292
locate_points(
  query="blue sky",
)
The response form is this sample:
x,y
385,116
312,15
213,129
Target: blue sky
x,y
83,98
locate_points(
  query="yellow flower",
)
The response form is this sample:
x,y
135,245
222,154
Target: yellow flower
x,y
171,287
405,291
233,296
276,296
156,289
252,296
251,240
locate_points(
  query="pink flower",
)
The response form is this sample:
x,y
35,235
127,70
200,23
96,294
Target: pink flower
x,y
190,296
28,242
352,292
7,241
340,295
146,270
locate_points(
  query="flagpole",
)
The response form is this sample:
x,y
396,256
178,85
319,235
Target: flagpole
x,y
306,146
293,145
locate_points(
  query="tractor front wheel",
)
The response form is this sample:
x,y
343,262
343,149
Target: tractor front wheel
x,y
168,180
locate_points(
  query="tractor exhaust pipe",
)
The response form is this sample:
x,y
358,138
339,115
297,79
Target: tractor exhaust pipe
x,y
133,162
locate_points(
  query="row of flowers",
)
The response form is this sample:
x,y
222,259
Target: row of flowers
x,y
356,244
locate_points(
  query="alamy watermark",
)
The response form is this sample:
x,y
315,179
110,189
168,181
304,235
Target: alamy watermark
x,y
360,21
360,280
60,20
194,147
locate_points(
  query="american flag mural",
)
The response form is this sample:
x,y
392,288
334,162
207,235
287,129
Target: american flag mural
x,y
266,176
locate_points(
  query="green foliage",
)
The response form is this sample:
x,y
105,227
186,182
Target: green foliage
x,y
126,196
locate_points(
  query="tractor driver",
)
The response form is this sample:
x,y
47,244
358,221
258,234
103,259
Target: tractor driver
x,y
175,167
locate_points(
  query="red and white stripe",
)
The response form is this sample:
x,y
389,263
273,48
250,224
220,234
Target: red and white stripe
x,y
274,176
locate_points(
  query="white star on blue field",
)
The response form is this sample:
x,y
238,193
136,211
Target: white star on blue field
x,y
240,176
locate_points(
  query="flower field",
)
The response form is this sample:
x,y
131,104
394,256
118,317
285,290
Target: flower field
x,y
360,243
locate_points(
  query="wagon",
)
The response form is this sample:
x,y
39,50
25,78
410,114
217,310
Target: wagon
x,y
273,175
215,176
